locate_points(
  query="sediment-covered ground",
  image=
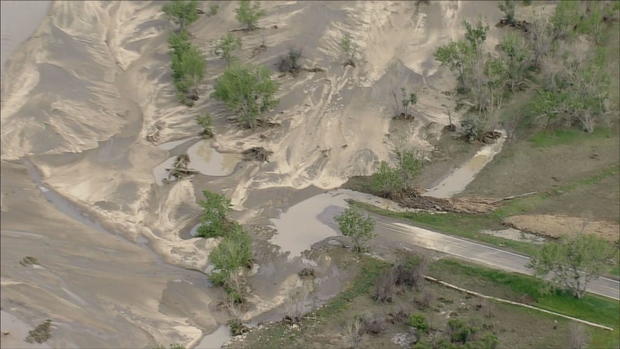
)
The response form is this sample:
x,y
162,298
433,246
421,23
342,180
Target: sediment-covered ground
x,y
80,191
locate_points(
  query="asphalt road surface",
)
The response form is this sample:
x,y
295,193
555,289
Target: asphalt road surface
x,y
396,230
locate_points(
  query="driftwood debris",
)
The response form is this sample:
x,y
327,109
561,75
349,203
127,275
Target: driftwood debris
x,y
256,153
180,169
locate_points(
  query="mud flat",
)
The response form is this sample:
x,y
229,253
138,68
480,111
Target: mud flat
x,y
96,79
20,19
208,161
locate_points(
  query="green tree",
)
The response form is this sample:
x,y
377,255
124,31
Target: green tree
x,y
182,12
248,14
455,56
229,259
517,57
226,47
573,262
246,90
358,227
213,220
188,67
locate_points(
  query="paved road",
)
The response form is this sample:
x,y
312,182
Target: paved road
x,y
472,251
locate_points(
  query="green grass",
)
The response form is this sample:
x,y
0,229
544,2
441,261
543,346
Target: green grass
x,y
591,307
567,136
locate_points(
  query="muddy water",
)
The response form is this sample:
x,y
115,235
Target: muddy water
x,y
20,19
458,180
312,220
216,339
208,161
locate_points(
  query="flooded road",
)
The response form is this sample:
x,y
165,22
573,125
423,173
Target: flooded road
x,y
20,19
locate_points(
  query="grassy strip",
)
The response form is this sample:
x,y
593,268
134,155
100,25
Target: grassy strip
x,y
518,287
567,136
464,225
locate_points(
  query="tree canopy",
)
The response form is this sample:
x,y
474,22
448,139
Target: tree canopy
x,y
247,90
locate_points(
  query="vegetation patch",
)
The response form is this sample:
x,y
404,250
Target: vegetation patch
x,y
527,289
41,333
247,90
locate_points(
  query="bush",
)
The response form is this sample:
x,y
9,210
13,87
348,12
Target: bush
x,y
386,180
290,62
182,12
418,321
247,90
358,227
237,327
248,14
226,46
402,104
411,272
390,181
349,50
508,8
213,219
459,331
207,125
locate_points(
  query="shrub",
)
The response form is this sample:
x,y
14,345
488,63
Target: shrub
x,y
206,123
489,341
213,219
411,272
508,8
182,12
349,50
290,62
247,90
237,327
386,180
226,46
459,331
402,104
41,333
391,181
248,14
418,321
358,227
